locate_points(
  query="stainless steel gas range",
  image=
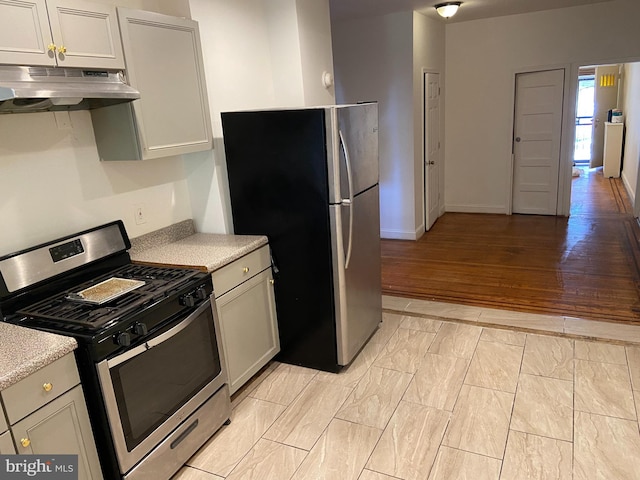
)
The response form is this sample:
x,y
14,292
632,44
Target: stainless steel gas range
x,y
149,352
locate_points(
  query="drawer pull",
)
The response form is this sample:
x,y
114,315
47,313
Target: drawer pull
x,y
245,269
272,281
47,387
25,442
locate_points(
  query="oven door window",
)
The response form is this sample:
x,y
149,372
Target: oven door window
x,y
153,385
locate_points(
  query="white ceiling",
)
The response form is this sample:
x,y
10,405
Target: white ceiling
x,y
470,9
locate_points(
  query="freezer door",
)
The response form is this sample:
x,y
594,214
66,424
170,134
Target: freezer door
x,y
357,288
352,141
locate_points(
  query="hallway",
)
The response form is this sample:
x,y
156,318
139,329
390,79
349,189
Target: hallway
x,y
587,265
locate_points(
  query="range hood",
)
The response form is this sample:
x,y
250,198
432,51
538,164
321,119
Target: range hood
x,y
38,89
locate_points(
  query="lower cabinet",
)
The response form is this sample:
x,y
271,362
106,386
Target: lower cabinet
x,y
48,415
613,143
61,427
6,444
247,315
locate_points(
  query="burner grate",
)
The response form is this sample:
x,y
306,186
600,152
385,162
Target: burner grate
x,y
159,282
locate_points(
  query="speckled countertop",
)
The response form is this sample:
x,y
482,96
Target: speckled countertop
x,y
24,351
180,245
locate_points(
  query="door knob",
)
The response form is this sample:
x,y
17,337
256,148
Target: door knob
x,y
518,139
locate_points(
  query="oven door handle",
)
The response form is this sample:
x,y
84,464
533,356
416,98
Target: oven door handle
x,y
154,342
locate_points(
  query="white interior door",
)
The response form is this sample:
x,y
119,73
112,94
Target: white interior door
x,y
431,147
605,98
537,133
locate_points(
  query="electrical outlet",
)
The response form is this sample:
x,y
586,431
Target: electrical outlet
x,y
63,120
140,213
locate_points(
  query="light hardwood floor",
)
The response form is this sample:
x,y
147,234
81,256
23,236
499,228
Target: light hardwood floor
x,y
587,265
437,393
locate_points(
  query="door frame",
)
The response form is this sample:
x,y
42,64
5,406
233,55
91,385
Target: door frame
x,y
567,131
423,227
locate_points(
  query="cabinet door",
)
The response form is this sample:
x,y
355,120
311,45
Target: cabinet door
x,y
24,33
249,328
164,63
85,34
6,444
61,427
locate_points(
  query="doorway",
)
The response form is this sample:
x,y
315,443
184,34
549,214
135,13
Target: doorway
x,y
606,94
537,137
431,148
598,93
584,117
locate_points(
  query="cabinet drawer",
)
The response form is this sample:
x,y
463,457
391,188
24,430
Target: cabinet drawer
x,y
31,393
232,275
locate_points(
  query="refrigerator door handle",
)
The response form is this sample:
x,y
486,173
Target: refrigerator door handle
x,y
348,202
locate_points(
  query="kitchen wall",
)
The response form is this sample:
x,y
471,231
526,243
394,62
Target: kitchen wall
x,y
257,54
631,109
381,58
482,58
52,183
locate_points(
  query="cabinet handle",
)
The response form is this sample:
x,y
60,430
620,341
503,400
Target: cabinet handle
x,y
62,50
272,281
52,47
245,269
47,387
25,442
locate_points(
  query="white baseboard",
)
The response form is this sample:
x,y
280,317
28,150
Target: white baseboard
x,y
476,209
630,192
419,231
398,234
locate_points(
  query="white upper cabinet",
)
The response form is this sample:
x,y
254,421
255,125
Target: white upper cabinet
x,y
24,33
163,60
66,33
85,34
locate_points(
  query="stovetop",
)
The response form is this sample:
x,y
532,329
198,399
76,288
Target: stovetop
x,y
35,284
115,326
159,283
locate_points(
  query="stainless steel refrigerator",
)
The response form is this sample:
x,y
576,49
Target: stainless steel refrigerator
x,y
308,179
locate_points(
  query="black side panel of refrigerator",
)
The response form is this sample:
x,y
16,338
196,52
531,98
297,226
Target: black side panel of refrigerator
x,y
277,170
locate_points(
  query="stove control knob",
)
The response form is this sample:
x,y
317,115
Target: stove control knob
x,y
140,329
123,339
201,293
188,301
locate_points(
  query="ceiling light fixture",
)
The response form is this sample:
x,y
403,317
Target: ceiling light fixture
x,y
447,9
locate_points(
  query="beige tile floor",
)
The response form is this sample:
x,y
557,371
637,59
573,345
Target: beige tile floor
x,y
440,393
